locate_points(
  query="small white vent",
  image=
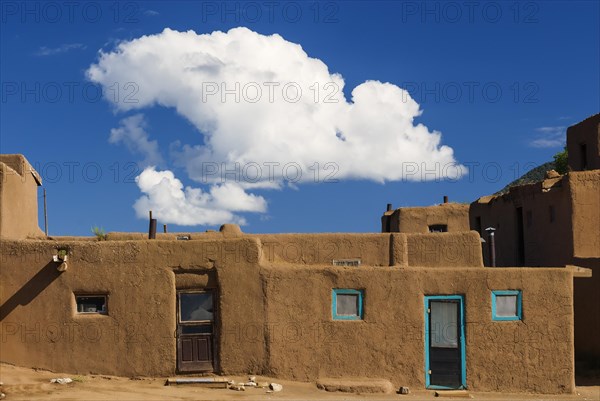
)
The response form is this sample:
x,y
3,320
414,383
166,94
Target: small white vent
x,y
183,238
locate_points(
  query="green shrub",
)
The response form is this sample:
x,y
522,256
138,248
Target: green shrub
x,y
561,164
99,233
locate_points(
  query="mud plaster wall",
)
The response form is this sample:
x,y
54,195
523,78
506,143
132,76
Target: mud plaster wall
x,y
261,306
586,132
305,343
585,193
430,250
39,326
441,250
18,199
546,242
418,219
372,249
587,312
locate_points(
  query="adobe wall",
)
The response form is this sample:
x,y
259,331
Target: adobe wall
x,y
39,327
587,313
586,132
442,250
18,198
271,310
372,249
546,242
534,354
397,249
585,189
585,193
418,219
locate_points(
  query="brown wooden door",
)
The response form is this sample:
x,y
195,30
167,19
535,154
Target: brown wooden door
x,y
195,331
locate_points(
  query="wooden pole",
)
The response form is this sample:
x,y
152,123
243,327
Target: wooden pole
x,y
45,214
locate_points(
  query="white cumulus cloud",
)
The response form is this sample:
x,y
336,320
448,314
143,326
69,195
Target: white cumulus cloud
x,y
132,133
166,196
272,113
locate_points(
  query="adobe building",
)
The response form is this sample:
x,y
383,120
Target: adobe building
x,y
445,217
555,222
18,198
417,309
583,144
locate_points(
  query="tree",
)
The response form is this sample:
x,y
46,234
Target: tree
x,y
561,164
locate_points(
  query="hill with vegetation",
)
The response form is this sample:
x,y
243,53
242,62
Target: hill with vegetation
x,y
534,175
537,174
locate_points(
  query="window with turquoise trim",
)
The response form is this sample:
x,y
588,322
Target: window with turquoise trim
x,y
507,305
347,304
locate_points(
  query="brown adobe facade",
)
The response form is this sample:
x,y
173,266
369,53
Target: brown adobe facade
x,y
583,143
273,308
417,309
555,222
445,217
18,198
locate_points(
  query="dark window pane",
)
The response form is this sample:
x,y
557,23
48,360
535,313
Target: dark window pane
x,y
91,304
196,306
438,228
197,329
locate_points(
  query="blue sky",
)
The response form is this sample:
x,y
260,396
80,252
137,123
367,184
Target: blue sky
x,y
500,81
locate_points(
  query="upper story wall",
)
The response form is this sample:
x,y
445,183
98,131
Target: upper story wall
x,y
583,144
585,198
452,217
533,224
396,249
543,224
18,198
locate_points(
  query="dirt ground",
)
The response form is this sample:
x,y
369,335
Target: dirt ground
x,y
29,384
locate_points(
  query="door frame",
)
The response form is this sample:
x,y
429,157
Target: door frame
x,y
463,358
213,343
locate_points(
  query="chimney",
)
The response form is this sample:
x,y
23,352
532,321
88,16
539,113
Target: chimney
x,y
445,198
389,207
152,227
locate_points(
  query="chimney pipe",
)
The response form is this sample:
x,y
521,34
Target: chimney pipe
x,y
165,228
445,198
389,207
152,227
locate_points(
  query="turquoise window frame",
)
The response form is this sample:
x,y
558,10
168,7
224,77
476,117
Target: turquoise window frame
x,y
519,315
345,291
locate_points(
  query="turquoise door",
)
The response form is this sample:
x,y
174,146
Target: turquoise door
x,y
445,361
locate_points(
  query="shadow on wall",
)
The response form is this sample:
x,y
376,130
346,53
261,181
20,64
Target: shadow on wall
x,y
30,290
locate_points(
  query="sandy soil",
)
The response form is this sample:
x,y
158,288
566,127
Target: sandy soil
x,y
29,384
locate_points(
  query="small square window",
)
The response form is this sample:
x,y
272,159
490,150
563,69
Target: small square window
x,y
347,304
91,303
438,228
506,305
